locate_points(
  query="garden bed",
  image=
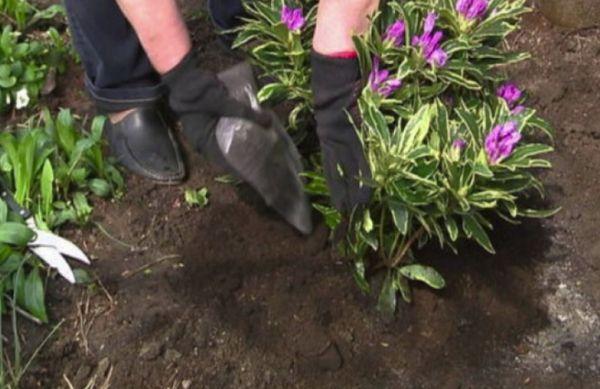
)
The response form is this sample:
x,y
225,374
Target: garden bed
x,y
229,296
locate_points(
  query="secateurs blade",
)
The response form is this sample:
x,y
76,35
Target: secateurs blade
x,y
50,248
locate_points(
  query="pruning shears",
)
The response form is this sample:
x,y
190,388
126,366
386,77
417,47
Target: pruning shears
x,y
50,248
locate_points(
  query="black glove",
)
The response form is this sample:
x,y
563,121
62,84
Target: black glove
x,y
335,84
200,99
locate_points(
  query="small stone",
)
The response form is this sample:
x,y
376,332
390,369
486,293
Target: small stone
x,y
68,349
172,355
82,373
174,333
571,45
313,341
200,333
331,359
347,336
568,346
150,351
185,384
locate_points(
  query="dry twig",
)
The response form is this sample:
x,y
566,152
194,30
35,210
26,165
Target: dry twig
x,y
129,274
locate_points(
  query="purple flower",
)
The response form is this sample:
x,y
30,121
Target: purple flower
x,y
380,82
429,23
519,109
429,42
292,18
501,141
459,144
395,32
472,9
510,93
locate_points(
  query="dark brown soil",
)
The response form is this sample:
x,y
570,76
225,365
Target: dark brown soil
x,y
238,299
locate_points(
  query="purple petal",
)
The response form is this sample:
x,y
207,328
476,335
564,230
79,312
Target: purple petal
x,y
501,141
395,32
459,144
433,44
519,109
429,23
285,14
477,9
462,6
508,129
510,93
438,58
293,18
393,85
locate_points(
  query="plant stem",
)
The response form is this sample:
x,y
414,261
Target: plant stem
x,y
402,253
131,247
16,341
39,348
10,20
129,274
22,312
381,230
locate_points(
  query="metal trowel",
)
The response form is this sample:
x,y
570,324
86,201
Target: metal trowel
x,y
266,158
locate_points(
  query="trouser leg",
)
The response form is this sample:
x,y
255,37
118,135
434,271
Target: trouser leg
x,y
226,13
119,75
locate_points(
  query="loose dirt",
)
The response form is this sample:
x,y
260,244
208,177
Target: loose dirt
x,y
237,299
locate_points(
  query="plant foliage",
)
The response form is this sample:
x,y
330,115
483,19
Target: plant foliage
x,y
52,167
447,149
30,57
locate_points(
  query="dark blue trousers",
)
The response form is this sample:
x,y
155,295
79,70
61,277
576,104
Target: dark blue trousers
x,y
118,72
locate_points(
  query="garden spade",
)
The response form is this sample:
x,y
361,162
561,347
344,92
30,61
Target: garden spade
x,y
266,158
50,248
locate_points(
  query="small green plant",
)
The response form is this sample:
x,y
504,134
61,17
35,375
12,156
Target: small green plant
x,y
53,166
196,197
23,15
447,138
25,64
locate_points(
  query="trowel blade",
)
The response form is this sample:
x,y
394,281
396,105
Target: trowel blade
x,y
266,158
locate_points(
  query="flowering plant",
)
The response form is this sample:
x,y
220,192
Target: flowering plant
x,y
447,138
278,34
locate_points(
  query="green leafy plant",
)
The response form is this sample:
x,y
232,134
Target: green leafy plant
x,y
196,197
448,140
22,15
52,166
283,55
27,65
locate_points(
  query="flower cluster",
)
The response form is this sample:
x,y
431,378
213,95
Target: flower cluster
x,y
395,33
472,9
511,93
430,42
380,81
292,18
501,141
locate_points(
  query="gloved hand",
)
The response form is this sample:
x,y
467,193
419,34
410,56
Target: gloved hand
x,y
200,99
335,84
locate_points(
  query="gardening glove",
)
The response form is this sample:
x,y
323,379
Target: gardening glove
x,y
200,99
335,85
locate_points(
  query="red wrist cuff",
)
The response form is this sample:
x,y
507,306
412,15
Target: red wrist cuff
x,y
350,54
